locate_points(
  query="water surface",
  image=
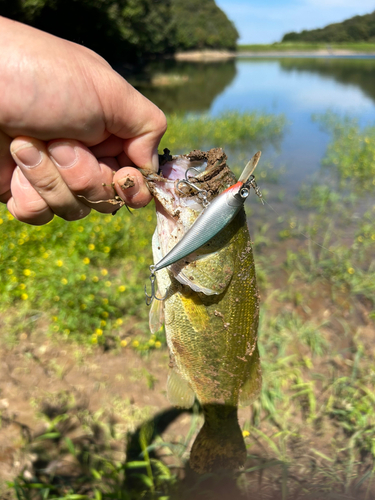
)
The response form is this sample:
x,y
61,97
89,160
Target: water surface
x,y
299,88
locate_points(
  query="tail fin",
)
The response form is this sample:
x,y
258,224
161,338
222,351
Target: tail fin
x,y
219,444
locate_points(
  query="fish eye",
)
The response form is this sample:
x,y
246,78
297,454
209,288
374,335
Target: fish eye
x,y
244,192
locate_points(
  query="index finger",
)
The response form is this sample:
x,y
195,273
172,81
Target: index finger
x,y
130,115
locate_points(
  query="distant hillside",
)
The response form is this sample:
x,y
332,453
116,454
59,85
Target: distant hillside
x,y
355,29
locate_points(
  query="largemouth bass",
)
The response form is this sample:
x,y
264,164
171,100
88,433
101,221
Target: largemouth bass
x,y
210,309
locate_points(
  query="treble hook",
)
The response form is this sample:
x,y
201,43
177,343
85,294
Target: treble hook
x,y
255,186
202,194
150,298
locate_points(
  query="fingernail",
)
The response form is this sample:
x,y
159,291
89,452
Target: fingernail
x,y
63,154
155,161
126,182
27,155
21,178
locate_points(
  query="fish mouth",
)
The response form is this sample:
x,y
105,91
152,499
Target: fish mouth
x,y
209,172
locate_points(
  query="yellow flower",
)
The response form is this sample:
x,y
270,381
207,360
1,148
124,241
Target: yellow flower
x,y
9,271
151,342
1,221
119,321
59,263
157,344
108,284
103,322
94,339
245,433
80,229
99,331
351,270
360,238
66,331
21,241
123,343
135,343
373,237
64,281
91,246
105,314
26,272
11,246
83,307
54,318
45,255
83,277
10,216
86,260
105,301
55,328
106,249
22,286
121,288
24,296
95,279
91,296
56,298
104,272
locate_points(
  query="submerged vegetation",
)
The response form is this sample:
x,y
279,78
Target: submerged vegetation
x,y
311,433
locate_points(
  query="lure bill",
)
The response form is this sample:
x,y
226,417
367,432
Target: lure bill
x,y
210,307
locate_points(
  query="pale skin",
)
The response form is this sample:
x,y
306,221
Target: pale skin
x,y
67,123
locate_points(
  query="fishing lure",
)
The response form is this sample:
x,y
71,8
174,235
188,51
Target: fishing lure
x,y
216,215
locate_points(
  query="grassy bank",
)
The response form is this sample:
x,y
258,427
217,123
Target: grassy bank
x,y
310,434
302,47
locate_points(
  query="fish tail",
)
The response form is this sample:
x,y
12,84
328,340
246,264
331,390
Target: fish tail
x,y
219,444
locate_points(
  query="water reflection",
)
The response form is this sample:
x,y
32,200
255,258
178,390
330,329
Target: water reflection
x,y
180,87
349,71
298,88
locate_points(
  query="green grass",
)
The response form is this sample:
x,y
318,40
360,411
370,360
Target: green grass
x,y
312,431
229,130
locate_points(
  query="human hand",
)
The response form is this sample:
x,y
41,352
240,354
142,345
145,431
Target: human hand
x,y
67,122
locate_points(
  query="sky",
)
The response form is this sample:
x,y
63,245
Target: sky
x,y
266,21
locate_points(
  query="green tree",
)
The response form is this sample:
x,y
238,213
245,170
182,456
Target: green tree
x,y
355,29
129,30
201,24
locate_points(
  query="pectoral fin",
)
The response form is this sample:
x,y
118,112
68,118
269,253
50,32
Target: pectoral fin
x,y
156,315
206,273
179,391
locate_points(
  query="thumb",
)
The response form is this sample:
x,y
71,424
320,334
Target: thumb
x,y
132,117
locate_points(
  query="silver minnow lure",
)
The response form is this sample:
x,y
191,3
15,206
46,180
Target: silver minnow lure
x,y
218,214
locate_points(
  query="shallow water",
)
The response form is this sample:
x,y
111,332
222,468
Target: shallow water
x,y
297,87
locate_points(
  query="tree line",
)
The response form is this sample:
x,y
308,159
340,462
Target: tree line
x,y
355,29
129,30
